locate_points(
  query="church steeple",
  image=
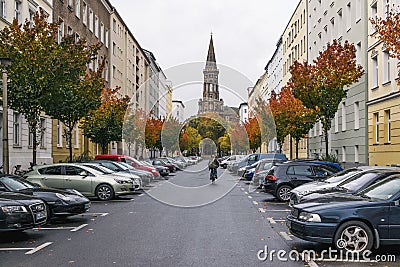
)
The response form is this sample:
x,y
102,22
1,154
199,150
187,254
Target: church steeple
x,y
211,53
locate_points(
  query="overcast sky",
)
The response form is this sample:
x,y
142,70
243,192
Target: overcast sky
x,y
178,31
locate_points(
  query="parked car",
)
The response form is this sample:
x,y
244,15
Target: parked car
x,y
163,163
164,171
129,160
252,158
137,181
352,223
316,161
230,159
20,212
282,178
178,166
86,180
243,169
333,181
60,203
181,160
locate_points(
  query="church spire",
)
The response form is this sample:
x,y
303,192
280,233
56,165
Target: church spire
x,y
211,53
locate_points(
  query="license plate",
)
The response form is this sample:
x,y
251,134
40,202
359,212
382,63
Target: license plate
x,y
40,215
86,206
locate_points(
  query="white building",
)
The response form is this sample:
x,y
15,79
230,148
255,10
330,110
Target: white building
x,y
274,69
178,110
19,138
244,112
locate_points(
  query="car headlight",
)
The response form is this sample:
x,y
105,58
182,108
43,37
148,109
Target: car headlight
x,y
76,192
13,209
309,217
242,169
63,197
122,181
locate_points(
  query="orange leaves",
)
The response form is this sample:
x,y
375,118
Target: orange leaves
x,y
254,133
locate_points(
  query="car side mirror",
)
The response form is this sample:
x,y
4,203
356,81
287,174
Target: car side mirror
x,y
397,203
83,173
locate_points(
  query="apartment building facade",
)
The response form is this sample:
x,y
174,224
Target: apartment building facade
x,y
383,95
19,137
342,20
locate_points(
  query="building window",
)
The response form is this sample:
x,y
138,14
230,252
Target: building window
x,y
376,128
78,8
356,115
107,38
343,154
114,47
358,9
336,122
385,8
17,129
358,53
387,126
17,10
114,70
348,17
91,20
84,13
343,116
114,25
60,30
356,154
59,134
386,66
42,133
374,72
3,8
69,30
374,15
96,26
102,32
77,37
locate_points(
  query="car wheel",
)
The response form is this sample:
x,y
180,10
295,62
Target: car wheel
x,y
104,192
354,236
283,192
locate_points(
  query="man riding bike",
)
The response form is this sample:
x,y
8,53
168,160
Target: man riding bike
x,y
213,164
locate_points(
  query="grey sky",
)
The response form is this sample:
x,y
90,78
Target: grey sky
x,y
178,31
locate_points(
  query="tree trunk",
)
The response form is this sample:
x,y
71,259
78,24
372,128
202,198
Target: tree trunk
x,y
297,148
291,147
104,148
34,148
129,149
326,142
69,136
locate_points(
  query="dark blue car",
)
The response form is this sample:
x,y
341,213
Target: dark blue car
x,y
351,222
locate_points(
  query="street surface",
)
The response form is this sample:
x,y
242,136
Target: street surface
x,y
170,224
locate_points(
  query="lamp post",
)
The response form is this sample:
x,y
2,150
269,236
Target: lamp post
x,y
4,63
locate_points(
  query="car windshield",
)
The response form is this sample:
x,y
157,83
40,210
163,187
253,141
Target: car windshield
x,y
125,166
16,184
100,168
341,176
265,166
383,190
356,182
110,166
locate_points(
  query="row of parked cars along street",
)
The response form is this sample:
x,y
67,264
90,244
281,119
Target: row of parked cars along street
x,y
355,209
63,189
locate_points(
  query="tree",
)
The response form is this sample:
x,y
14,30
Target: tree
x,y
254,134
388,31
189,139
279,112
77,90
299,119
153,134
321,87
133,131
33,50
225,144
104,124
170,134
265,120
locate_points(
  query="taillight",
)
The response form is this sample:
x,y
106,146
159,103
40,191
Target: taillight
x,y
270,177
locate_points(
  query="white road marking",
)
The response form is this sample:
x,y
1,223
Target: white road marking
x,y
309,261
285,236
11,249
79,227
271,220
141,195
261,210
32,251
255,202
250,197
279,210
101,214
242,188
52,228
246,193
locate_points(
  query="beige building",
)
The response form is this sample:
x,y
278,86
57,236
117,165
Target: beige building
x,y
383,97
294,48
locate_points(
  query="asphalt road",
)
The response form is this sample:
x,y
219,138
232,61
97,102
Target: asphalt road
x,y
185,221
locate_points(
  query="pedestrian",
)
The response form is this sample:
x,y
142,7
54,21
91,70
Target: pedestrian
x,y
213,164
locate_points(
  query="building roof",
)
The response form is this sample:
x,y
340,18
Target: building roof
x,y
179,102
243,104
211,53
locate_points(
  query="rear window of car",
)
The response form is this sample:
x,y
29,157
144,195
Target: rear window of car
x,y
357,182
299,170
52,170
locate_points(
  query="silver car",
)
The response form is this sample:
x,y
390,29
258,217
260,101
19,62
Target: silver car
x,y
86,180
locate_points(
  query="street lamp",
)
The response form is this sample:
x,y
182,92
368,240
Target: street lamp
x,y
4,63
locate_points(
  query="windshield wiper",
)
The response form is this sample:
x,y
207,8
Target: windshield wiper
x,y
364,196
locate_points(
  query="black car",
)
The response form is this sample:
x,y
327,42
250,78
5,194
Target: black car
x,y
282,178
60,203
353,185
163,163
351,222
20,212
